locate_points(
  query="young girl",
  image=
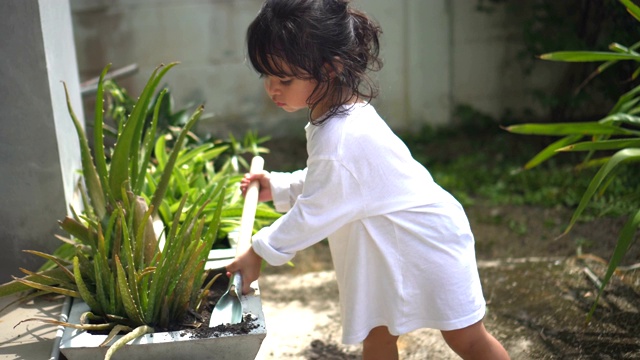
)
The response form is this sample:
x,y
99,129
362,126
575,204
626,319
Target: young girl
x,y
402,248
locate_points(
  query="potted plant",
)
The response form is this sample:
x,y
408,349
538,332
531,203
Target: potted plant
x,y
135,271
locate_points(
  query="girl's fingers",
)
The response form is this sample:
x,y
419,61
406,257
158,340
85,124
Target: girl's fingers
x,y
248,264
233,267
246,288
248,178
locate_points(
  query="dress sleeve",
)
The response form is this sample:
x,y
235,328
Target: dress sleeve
x,y
331,198
286,187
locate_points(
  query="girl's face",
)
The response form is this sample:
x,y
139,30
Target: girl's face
x,y
289,93
292,93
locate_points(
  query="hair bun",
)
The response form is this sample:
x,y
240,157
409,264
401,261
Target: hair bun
x,y
306,35
338,6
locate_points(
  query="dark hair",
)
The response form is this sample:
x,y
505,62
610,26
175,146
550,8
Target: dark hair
x,y
313,37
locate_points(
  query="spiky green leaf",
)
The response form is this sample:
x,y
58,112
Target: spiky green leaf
x,y
130,306
618,158
565,129
633,9
602,145
48,288
166,175
83,289
625,240
98,135
588,56
91,178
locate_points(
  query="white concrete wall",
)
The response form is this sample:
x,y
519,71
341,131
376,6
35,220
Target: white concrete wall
x,y
39,155
484,72
416,78
438,53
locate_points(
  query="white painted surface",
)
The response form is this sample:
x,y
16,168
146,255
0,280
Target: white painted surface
x,y
38,146
437,54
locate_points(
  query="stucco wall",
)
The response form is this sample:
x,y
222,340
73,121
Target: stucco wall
x,y
484,70
39,155
437,53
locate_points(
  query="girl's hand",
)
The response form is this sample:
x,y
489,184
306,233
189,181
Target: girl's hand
x,y
265,185
248,264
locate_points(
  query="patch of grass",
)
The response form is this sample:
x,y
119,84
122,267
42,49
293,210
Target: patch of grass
x,y
487,163
583,245
550,224
518,227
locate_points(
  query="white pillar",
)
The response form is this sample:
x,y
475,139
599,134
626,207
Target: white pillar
x,y
39,153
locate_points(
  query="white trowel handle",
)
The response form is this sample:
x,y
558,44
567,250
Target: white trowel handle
x,y
249,208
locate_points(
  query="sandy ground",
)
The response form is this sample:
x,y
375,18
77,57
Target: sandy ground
x,y
302,314
536,307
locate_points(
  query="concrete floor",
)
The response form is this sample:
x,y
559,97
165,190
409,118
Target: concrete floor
x,y
31,339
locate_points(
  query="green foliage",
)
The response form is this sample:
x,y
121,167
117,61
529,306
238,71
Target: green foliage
x,y
617,134
201,163
477,159
170,121
136,254
121,271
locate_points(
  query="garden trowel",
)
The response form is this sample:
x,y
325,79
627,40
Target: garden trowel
x,y
228,309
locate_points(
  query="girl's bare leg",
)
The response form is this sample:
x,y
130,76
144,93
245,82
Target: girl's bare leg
x,y
380,345
474,342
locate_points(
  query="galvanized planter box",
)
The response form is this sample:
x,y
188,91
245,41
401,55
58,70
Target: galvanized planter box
x,y
80,345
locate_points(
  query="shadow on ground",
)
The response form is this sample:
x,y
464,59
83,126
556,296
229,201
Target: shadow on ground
x,y
536,307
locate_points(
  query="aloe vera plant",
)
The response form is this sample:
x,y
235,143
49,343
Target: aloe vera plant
x,y
617,133
196,168
131,280
201,162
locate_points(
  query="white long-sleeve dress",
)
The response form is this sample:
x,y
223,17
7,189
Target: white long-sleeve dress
x,y
402,247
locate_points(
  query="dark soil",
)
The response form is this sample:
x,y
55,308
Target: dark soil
x,y
549,301
204,331
197,325
318,350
